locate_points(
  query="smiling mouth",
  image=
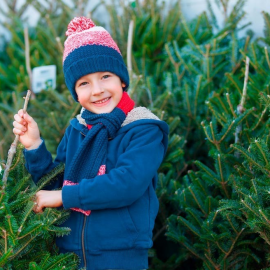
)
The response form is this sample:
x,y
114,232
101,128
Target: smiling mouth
x,y
102,101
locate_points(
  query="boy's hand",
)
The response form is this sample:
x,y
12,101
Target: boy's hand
x,y
45,198
25,126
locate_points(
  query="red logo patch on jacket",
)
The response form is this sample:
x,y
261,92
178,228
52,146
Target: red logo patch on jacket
x,y
101,171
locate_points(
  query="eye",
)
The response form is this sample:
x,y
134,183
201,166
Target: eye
x,y
83,83
106,76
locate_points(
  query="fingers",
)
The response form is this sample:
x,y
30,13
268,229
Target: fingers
x,y
45,198
28,118
24,118
22,122
38,206
19,128
19,125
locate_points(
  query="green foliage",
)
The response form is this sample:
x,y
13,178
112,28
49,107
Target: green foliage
x,y
224,215
26,238
214,210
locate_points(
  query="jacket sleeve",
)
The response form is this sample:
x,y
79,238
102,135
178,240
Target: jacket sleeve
x,y
39,161
124,184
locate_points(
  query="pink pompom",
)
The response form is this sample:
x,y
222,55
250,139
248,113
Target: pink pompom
x,y
79,24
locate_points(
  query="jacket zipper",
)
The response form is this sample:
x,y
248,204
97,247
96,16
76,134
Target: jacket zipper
x,y
83,248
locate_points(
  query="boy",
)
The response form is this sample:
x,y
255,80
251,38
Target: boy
x,y
111,151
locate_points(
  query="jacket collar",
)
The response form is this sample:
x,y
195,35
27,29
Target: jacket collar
x,y
135,114
138,116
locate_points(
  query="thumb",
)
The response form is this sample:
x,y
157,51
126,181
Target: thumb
x,y
28,118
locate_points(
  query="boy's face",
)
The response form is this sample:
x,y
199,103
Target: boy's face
x,y
99,92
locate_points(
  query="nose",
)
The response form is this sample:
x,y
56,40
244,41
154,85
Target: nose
x,y
97,89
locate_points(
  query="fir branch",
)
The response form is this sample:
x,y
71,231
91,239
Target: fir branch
x,y
261,151
195,214
61,258
223,183
179,56
190,35
257,67
208,171
216,143
8,217
211,261
251,159
27,212
21,248
187,99
221,119
16,162
250,209
267,56
47,178
230,77
233,244
231,223
55,122
260,119
226,132
5,238
264,216
18,186
221,102
6,257
230,104
264,236
200,185
196,198
198,86
191,250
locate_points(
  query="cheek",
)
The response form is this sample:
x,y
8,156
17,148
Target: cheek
x,y
82,96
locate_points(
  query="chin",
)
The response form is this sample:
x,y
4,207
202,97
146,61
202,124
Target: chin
x,y
103,111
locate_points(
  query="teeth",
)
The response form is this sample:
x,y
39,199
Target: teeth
x,y
102,101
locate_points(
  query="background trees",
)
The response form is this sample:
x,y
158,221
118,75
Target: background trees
x,y
213,184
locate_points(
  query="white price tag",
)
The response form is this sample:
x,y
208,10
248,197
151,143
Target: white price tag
x,y
43,78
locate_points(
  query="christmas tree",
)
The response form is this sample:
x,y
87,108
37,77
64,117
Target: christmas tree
x,y
213,186
27,239
223,201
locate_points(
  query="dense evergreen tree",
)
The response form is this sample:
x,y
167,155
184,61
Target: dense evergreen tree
x,y
213,186
27,239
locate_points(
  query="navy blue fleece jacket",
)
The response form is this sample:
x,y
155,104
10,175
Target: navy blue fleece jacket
x,y
123,203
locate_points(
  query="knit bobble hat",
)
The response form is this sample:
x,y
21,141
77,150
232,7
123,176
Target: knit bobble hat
x,y
88,49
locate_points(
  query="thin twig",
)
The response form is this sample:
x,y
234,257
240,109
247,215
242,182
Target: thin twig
x,y
245,84
129,46
12,149
240,107
27,56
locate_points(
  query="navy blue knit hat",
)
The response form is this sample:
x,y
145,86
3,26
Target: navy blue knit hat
x,y
89,49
